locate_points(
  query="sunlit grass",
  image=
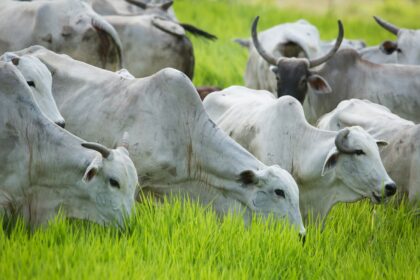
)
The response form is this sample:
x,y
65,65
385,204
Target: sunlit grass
x,y
186,241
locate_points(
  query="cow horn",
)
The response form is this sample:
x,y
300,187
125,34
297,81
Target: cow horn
x,y
166,5
388,26
124,141
267,57
102,25
138,3
105,152
319,61
341,143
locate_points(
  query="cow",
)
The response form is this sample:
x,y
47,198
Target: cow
x,y
404,51
65,26
293,75
320,91
285,43
392,85
329,167
44,169
401,157
38,77
151,43
154,40
174,145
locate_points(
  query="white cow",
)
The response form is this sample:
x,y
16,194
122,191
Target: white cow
x,y
174,144
329,167
404,51
151,43
38,77
44,168
65,26
401,157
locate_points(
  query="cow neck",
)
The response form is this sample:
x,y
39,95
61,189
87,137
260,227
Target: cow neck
x,y
219,156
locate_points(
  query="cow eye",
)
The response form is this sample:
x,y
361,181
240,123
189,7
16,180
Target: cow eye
x,y
279,192
114,183
31,83
359,152
302,82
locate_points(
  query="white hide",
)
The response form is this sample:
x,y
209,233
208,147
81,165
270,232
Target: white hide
x,y
392,85
276,132
151,43
64,26
44,169
401,157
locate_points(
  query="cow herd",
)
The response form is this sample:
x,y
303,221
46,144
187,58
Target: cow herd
x,y
318,123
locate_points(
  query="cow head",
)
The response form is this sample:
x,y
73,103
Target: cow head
x,y
273,190
406,46
72,27
109,183
356,162
38,77
294,75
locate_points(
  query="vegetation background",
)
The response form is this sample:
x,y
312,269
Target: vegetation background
x,y
186,241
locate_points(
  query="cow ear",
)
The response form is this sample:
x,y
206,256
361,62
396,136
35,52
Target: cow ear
x,y
330,161
92,170
388,47
381,143
318,84
248,177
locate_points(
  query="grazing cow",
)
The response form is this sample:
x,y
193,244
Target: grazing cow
x,y
44,168
293,75
65,26
38,77
401,157
404,51
329,167
175,147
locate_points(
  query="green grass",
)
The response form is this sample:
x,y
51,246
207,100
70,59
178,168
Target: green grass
x,y
184,241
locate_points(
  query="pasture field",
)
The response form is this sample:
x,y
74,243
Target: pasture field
x,y
177,240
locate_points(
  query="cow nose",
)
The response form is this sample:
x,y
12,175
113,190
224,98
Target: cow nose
x,y
390,189
61,124
302,237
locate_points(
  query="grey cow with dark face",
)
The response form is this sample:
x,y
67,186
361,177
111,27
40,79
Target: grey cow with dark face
x,y
294,75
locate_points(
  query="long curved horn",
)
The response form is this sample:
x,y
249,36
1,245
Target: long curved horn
x,y
138,3
319,61
267,57
104,26
388,26
340,141
105,152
